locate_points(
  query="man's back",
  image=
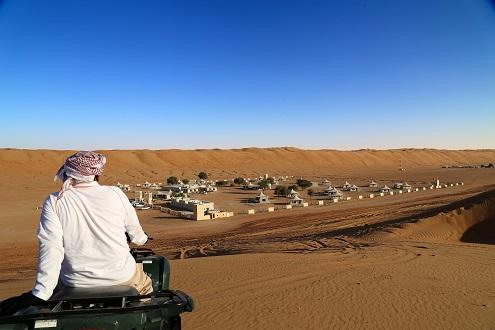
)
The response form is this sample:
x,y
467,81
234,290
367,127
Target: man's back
x,y
85,231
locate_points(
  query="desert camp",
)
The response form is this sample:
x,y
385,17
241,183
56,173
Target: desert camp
x,y
247,164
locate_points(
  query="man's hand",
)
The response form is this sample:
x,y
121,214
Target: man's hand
x,y
129,238
12,305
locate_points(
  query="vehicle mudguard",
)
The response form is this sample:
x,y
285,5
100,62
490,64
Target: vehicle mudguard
x,y
158,269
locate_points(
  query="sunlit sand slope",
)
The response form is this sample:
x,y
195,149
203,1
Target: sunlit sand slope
x,y
134,165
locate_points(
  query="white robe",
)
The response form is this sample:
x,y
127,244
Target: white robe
x,y
82,239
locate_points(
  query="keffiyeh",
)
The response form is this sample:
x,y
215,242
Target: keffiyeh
x,y
80,167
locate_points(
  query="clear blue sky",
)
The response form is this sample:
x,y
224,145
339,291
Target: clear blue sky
x,y
218,74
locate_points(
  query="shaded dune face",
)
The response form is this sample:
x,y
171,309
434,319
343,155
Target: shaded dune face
x,y
482,232
472,221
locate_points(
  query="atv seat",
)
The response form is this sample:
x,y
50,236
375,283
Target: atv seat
x,y
97,292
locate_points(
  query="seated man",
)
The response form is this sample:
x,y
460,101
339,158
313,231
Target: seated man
x,y
82,235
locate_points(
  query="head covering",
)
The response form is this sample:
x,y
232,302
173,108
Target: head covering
x,y
80,167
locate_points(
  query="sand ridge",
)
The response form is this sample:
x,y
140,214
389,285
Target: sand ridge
x,y
133,165
469,220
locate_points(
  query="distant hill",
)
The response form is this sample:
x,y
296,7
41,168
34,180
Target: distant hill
x,y
39,166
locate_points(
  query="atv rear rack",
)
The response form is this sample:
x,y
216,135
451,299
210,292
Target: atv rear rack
x,y
175,301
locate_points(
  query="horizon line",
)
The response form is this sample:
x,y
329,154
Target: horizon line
x,y
254,148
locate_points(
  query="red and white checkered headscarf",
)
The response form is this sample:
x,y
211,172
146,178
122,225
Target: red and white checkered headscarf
x,y
80,167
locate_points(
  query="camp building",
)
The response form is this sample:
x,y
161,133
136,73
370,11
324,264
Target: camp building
x,y
262,198
198,210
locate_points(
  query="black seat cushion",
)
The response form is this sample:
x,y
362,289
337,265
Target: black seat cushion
x,y
96,292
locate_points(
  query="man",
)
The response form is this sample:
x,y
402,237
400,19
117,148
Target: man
x,y
82,235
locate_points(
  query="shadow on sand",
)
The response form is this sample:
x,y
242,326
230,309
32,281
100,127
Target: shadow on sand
x,y
481,233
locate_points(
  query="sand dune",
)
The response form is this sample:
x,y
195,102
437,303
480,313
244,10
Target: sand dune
x,y
471,220
419,275
135,165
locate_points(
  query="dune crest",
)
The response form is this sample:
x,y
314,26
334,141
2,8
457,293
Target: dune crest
x,y
474,222
136,165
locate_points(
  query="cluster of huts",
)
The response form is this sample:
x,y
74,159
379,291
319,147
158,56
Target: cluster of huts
x,y
166,192
253,184
293,198
336,194
176,196
193,188
177,201
332,192
347,187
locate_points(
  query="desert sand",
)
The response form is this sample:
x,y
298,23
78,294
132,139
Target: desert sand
x,y
419,260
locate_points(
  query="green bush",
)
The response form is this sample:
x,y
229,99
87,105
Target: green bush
x,y
293,187
281,191
304,183
264,184
172,180
240,180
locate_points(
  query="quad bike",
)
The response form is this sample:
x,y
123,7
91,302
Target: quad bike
x,y
113,307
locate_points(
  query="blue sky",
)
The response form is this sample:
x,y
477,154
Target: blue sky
x,y
343,74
